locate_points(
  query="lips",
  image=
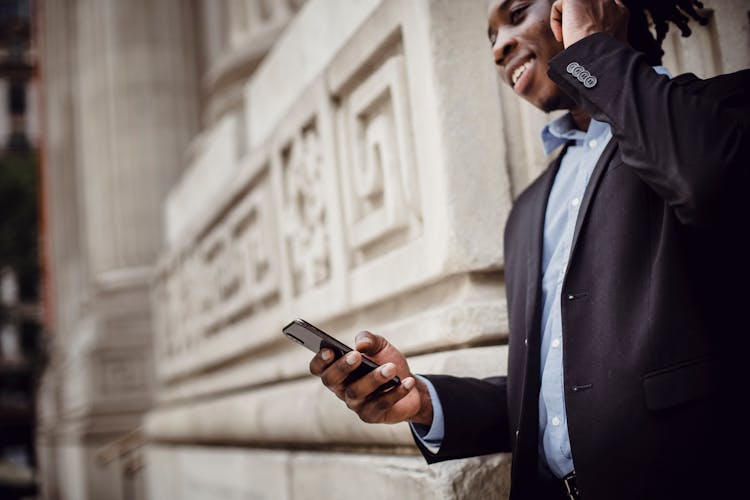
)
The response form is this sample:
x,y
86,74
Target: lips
x,y
516,71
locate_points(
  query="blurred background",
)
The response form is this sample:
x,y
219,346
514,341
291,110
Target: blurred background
x,y
181,178
22,353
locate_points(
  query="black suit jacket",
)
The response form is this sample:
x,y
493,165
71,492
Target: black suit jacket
x,y
655,328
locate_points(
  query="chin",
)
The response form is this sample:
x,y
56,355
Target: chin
x,y
554,102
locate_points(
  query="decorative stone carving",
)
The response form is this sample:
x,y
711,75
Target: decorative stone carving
x,y
253,233
381,190
305,225
232,269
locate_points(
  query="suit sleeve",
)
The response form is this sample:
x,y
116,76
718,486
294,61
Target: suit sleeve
x,y
687,138
475,416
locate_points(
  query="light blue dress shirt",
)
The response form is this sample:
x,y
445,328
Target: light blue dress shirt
x,y
584,151
559,222
563,204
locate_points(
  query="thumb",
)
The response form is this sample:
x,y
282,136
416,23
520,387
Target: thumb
x,y
369,343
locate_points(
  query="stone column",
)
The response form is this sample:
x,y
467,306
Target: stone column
x,y
136,113
120,93
66,274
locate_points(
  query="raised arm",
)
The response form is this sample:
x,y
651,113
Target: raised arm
x,y
689,139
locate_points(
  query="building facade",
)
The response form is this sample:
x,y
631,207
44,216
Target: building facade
x,y
215,169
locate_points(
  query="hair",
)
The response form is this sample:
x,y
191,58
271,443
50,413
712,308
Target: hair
x,y
660,13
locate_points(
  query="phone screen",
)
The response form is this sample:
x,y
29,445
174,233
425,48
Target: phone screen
x,y
315,339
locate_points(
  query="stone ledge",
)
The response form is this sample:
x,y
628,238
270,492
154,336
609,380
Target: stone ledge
x,y
459,310
204,181
303,412
219,473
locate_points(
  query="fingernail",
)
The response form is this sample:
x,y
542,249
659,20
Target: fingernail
x,y
326,354
351,358
363,338
408,383
388,370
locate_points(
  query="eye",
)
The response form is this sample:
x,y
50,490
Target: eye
x,y
516,15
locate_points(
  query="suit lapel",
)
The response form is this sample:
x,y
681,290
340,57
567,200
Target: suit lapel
x,y
534,256
588,195
526,449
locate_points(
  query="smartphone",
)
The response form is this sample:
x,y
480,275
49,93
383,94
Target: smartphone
x,y
316,339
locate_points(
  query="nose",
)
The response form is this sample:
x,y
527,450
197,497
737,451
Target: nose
x,y
504,44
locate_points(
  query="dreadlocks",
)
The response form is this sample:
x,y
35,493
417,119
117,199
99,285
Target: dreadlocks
x,y
661,13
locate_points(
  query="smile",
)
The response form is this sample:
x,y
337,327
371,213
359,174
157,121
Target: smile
x,y
519,71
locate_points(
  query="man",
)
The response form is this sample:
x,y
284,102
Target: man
x,y
626,274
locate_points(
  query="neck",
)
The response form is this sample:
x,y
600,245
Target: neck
x,y
581,119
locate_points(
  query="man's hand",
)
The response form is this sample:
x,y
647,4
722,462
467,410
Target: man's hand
x,y
408,402
573,20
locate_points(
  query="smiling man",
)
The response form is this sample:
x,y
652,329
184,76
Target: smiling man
x,y
626,274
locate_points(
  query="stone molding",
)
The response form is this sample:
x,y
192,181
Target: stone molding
x,y
221,473
301,413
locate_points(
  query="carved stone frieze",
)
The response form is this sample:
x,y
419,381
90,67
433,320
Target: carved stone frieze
x,y
305,213
232,269
381,189
253,233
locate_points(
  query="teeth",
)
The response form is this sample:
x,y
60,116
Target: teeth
x,y
520,70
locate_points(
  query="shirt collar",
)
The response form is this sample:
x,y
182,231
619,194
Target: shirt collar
x,y
563,129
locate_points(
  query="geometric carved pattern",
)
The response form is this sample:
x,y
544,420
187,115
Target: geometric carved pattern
x,y
234,269
217,274
380,184
253,238
305,226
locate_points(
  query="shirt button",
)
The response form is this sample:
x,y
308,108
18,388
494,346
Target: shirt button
x,y
593,143
555,421
575,201
556,343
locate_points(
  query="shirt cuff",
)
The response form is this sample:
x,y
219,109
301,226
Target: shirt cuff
x,y
431,438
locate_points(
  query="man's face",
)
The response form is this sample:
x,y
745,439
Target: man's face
x,y
522,44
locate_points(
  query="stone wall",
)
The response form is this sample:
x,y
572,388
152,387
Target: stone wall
x,y
348,162
348,198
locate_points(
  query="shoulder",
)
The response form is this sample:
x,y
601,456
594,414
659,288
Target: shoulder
x,y
732,89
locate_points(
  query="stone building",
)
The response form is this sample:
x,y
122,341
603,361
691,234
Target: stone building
x,y
215,168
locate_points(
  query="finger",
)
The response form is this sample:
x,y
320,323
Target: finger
x,y
358,391
334,376
555,20
321,361
379,408
369,343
